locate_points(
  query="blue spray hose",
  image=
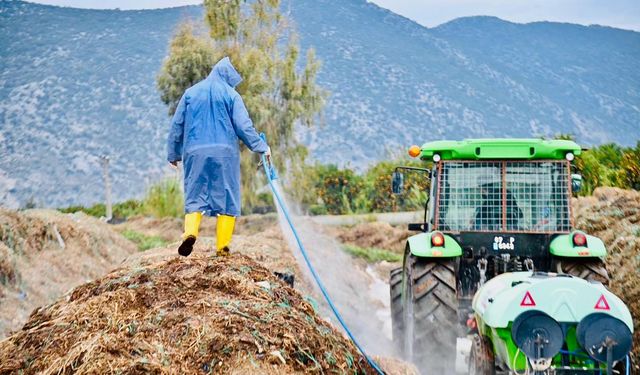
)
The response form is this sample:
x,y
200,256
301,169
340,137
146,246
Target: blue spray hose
x,y
271,175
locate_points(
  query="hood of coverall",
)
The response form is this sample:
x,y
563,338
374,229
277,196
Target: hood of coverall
x,y
225,71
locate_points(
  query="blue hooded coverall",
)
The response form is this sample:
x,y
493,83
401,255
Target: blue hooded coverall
x,y
205,129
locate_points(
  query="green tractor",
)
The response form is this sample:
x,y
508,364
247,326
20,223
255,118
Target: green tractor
x,y
498,227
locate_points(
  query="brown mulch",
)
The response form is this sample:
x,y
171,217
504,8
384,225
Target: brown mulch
x,y
375,234
196,315
44,253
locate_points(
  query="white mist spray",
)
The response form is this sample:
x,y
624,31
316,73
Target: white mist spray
x,y
360,296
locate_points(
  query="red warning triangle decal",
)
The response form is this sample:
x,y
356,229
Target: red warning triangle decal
x,y
527,300
602,304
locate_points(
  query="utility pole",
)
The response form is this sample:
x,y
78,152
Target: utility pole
x,y
104,159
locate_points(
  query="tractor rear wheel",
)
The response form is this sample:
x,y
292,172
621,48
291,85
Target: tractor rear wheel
x,y
588,269
397,324
430,312
481,361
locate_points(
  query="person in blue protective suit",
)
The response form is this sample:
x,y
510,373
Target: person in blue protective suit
x,y
206,128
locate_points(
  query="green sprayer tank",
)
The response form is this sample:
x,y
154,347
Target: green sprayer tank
x,y
551,321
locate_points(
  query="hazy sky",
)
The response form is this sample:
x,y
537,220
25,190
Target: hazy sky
x,y
618,13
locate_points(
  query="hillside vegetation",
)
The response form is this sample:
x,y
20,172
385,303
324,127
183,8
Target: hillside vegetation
x,y
80,83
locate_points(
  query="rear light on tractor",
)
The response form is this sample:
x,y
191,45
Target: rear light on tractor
x,y
579,240
437,239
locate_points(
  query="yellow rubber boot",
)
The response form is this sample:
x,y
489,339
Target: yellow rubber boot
x,y
224,232
191,227
192,224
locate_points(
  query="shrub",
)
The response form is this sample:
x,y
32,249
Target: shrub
x,y
164,199
127,209
329,189
337,189
609,165
629,173
97,210
379,191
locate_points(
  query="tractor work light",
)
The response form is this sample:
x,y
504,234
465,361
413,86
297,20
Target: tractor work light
x,y
437,239
414,151
570,156
436,157
579,240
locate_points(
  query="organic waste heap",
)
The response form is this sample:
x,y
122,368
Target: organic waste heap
x,y
614,215
44,253
198,315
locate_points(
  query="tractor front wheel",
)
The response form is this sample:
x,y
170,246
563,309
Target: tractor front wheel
x,y
430,314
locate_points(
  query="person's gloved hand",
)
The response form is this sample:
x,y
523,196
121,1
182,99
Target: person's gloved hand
x,y
268,154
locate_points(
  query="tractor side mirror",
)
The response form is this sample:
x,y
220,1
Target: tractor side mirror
x,y
576,183
397,182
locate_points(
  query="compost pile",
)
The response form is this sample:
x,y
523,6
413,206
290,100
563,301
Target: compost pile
x,y
44,253
375,234
614,215
199,315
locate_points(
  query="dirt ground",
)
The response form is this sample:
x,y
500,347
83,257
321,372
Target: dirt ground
x,y
44,253
266,246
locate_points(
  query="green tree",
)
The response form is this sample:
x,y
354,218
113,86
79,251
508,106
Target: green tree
x,y
599,166
591,170
629,173
338,189
190,60
264,50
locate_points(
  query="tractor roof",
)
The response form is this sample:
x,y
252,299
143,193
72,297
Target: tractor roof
x,y
479,149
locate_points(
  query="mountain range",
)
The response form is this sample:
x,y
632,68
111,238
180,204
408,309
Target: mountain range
x,y
76,84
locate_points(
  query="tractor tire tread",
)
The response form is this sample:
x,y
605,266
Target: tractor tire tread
x,y
435,313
